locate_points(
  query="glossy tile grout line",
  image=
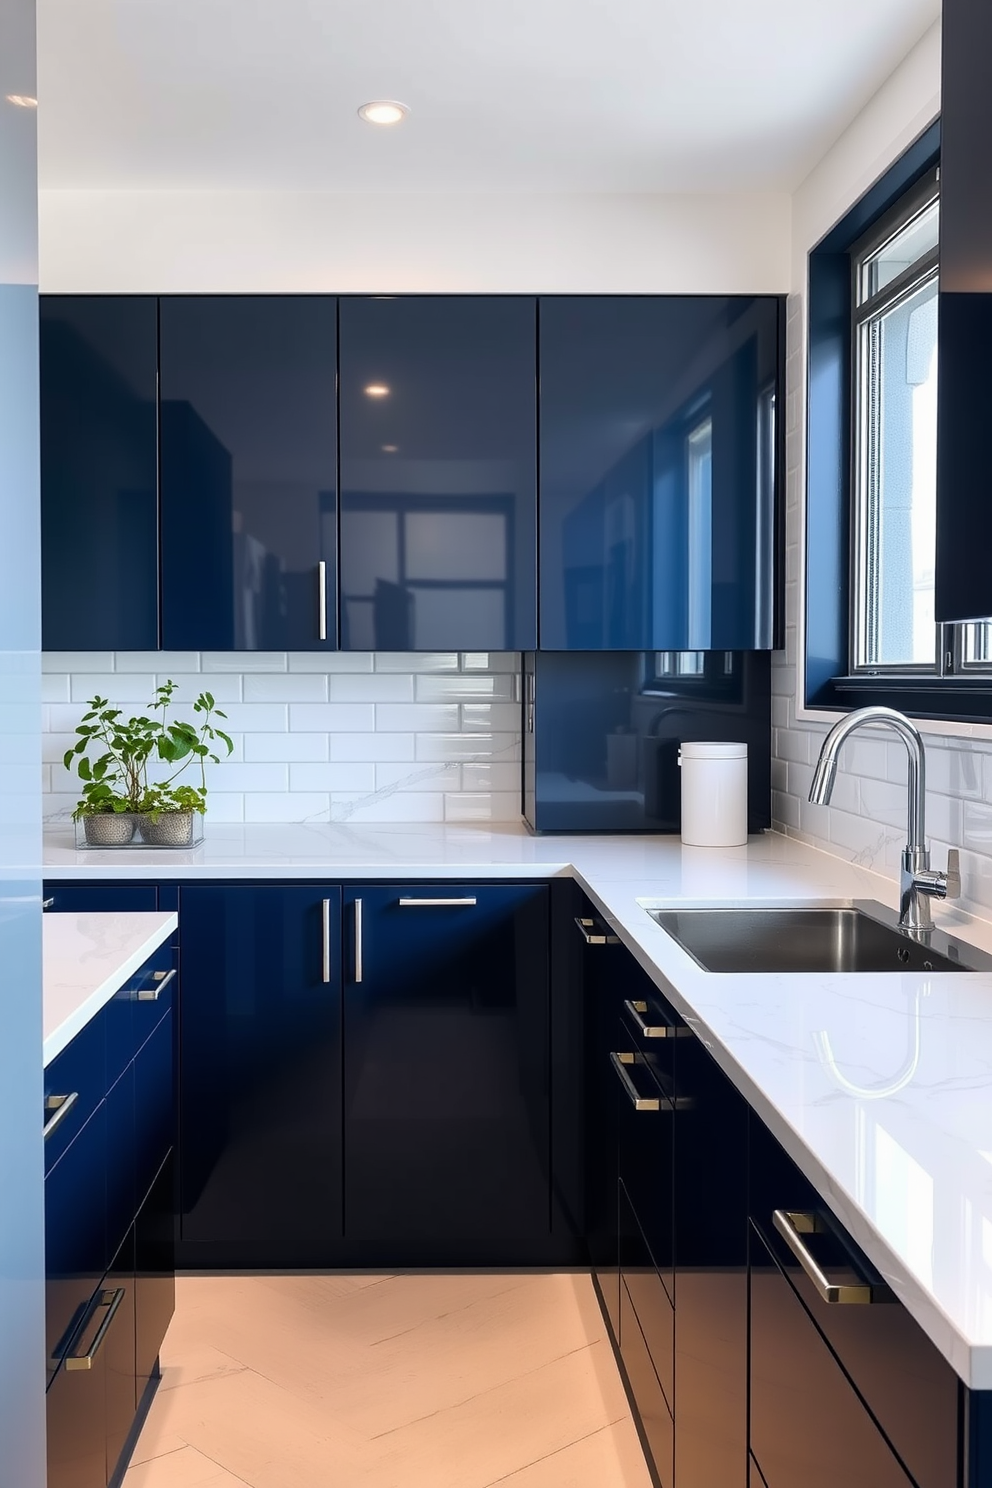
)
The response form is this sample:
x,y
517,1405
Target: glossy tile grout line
x,y
360,1380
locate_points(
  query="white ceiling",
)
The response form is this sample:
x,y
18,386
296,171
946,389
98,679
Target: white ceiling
x,y
543,95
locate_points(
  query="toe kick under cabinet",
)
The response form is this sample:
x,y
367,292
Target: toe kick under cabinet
x,y
109,1219
365,1076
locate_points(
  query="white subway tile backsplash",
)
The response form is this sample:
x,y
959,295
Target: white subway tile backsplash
x,y
385,688
329,718
285,687
328,777
418,718
330,662
285,746
373,747
320,736
126,687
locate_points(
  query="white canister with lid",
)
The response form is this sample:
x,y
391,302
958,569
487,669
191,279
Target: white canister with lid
x,y
714,794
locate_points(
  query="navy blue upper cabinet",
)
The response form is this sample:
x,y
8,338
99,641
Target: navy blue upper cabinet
x,y
658,472
248,472
98,358
438,473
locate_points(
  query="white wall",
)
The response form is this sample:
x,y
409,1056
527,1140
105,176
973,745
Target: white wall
x,y
277,242
867,822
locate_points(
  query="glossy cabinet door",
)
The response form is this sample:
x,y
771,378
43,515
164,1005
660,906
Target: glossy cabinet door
x,y
710,1272
808,1424
154,1275
446,1093
259,1076
248,472
657,472
438,473
99,472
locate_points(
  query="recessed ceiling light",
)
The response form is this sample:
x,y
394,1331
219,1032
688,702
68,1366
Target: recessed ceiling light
x,y
384,111
390,449
377,390
22,100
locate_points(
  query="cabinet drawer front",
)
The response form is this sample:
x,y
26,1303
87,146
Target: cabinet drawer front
x,y
808,1424
647,1149
74,1081
154,1273
649,1298
87,898
75,1408
910,1388
154,1124
655,1418
153,993
75,1234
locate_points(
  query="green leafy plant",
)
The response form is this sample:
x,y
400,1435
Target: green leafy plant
x,y
116,780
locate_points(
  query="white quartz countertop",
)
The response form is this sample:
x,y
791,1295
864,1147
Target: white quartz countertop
x,y
878,1086
86,958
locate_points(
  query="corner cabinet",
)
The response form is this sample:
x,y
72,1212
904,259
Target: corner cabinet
x,y
659,471
438,409
99,472
248,472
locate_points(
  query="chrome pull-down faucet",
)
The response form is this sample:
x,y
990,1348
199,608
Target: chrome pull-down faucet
x,y
919,883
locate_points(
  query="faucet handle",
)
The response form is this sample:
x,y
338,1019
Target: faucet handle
x,y
953,873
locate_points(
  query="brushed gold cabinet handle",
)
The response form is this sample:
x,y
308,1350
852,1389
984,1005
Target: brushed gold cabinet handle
x,y
152,994
60,1106
111,1301
592,936
792,1224
637,1100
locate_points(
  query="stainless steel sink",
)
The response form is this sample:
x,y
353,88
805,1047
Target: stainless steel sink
x,y
859,937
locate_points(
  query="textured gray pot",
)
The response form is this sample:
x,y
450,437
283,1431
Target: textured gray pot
x,y
173,829
109,830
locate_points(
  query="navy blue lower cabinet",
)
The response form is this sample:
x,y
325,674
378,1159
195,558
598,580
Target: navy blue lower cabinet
x,y
76,1429
446,1075
808,1424
652,1411
260,1076
75,1235
910,1389
118,1348
91,898
600,990
154,1276
710,1216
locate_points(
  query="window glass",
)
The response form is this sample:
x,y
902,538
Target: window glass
x,y
905,248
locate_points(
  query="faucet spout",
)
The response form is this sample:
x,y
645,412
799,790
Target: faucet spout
x,y
918,883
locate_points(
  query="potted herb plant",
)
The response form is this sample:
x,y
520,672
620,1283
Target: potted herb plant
x,y
118,799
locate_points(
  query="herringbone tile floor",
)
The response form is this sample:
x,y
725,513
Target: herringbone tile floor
x,y
424,1380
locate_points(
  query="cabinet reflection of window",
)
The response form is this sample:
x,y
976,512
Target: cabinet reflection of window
x,y
423,575
699,469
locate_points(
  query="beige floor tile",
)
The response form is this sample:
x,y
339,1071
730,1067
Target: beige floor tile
x,y
475,1443
425,1380
186,1468
609,1458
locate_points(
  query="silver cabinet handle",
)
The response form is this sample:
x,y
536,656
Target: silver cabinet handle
x,y
60,1106
358,940
638,1101
325,941
436,903
591,936
111,1301
322,601
47,903
792,1225
637,1009
152,994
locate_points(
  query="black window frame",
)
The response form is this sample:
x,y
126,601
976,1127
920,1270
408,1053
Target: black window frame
x,y
828,683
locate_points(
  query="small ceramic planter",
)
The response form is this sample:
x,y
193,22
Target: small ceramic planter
x,y
110,830
173,829
131,832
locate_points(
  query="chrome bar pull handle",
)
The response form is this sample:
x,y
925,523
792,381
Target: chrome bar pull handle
x,y
152,994
47,903
322,601
358,940
592,936
60,1106
636,1008
792,1224
638,1101
325,940
111,1301
437,903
